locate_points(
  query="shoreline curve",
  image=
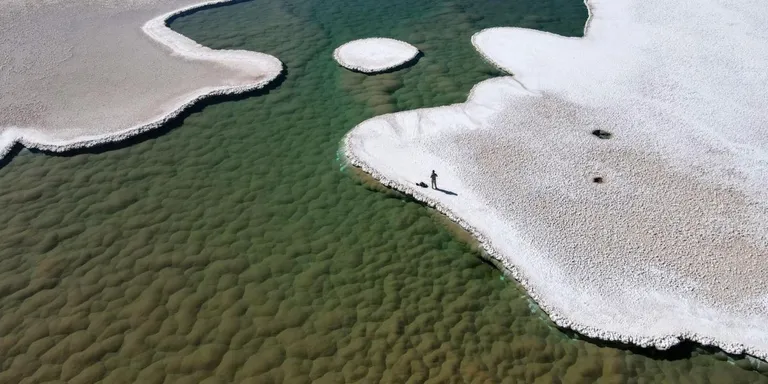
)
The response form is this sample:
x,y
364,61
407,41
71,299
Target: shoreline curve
x,y
661,343
156,29
378,126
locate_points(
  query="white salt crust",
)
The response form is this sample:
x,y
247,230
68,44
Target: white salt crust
x,y
375,54
673,245
37,117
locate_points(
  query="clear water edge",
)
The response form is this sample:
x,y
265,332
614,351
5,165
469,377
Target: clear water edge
x,y
235,249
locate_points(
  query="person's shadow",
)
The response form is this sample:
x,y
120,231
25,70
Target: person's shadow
x,y
447,192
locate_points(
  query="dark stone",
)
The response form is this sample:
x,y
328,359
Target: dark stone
x,y
602,134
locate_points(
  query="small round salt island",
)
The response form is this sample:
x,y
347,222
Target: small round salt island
x,y
376,54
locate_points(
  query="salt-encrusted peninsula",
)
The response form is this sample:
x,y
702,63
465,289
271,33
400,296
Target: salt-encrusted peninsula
x,y
621,177
375,54
80,73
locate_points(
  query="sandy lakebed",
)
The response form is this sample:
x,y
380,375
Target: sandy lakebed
x,y
232,246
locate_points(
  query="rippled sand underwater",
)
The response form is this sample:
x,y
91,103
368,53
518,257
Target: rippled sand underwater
x,y
235,248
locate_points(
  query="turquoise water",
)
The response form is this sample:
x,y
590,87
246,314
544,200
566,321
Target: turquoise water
x,y
233,248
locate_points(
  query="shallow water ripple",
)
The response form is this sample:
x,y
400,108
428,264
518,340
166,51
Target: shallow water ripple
x,y
232,249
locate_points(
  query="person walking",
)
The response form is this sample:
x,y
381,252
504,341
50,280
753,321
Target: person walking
x,y
433,176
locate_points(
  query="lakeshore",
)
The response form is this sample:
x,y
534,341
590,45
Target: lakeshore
x,y
629,209
91,73
228,247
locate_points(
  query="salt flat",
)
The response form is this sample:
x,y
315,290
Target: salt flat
x,y
77,74
375,54
653,235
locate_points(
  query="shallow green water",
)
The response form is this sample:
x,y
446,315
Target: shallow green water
x,y
233,249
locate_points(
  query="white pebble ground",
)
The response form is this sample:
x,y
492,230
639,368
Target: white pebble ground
x,y
80,73
673,244
376,54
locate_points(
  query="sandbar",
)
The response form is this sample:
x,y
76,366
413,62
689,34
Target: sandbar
x,y
77,74
375,54
621,177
